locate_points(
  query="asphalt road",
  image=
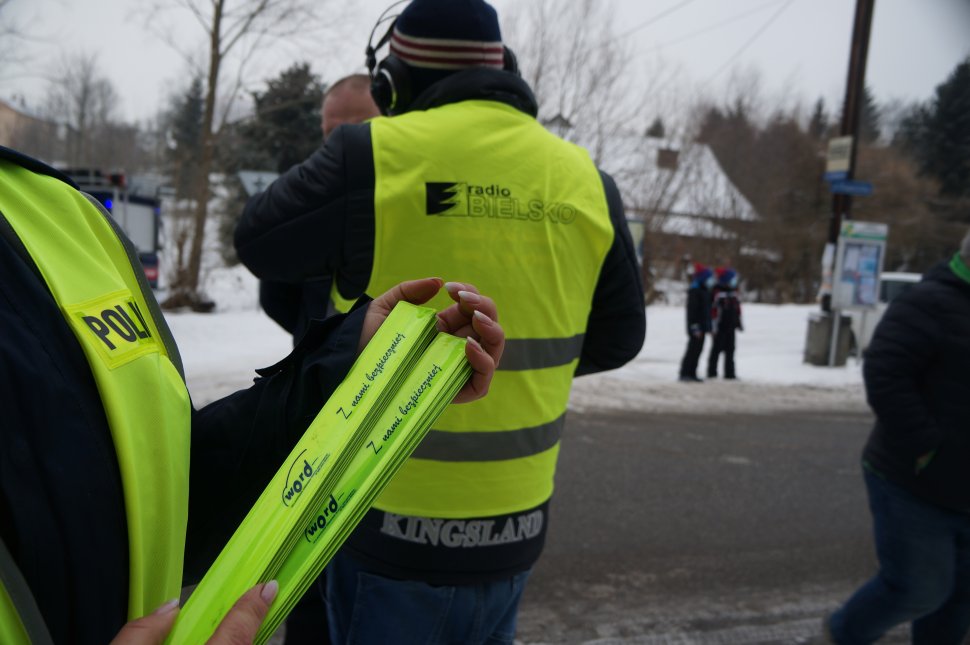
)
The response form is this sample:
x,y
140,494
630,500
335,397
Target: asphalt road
x,y
702,529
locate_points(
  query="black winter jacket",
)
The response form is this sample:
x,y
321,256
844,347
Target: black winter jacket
x,y
917,376
698,309
317,220
62,513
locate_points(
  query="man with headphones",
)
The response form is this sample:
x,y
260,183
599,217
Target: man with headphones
x,y
459,179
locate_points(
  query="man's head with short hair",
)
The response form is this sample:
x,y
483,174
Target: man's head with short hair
x,y
965,249
347,101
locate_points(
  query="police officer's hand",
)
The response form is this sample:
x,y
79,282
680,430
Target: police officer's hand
x,y
239,627
473,316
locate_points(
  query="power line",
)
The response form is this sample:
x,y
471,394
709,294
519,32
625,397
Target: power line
x,y
700,32
751,40
657,17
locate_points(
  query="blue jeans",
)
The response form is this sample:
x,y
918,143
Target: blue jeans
x,y
924,572
364,608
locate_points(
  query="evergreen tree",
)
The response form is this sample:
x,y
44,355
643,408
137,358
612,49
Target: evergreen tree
x,y
284,131
185,137
937,134
818,126
910,136
945,149
286,125
869,117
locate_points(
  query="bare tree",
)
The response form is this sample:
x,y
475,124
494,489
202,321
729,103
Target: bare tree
x,y
919,233
84,101
12,33
595,90
235,31
22,31
578,68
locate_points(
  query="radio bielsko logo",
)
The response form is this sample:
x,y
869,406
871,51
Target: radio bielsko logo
x,y
462,199
446,198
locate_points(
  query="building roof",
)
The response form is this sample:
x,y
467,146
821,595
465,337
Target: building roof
x,y
662,177
680,186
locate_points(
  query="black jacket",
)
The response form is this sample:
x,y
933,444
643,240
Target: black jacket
x,y
725,311
698,309
917,376
62,513
317,220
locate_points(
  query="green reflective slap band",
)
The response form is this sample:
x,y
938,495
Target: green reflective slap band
x,y
335,471
419,401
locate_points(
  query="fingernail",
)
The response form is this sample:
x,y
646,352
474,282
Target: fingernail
x,y
452,287
469,297
269,590
472,341
168,607
482,317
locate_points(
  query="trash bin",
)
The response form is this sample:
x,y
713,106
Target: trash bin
x,y
818,342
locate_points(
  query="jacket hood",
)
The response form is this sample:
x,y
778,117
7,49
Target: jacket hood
x,y
479,83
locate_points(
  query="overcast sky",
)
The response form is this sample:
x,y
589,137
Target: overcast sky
x,y
799,46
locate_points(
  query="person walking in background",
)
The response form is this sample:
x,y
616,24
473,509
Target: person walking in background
x,y
725,320
916,465
698,321
460,159
293,305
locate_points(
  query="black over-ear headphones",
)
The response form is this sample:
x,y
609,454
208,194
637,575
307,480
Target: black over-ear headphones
x,y
390,82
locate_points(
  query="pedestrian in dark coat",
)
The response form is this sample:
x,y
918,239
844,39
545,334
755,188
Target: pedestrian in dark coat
x,y
725,320
698,321
916,465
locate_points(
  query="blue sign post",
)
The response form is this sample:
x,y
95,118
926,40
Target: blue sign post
x,y
846,187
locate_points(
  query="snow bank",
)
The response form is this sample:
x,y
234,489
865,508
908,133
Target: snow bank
x,y
772,376
222,350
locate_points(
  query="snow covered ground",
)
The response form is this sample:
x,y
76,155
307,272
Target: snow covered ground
x,y
222,350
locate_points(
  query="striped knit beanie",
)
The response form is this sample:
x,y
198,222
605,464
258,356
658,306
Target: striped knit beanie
x,y
448,35
438,37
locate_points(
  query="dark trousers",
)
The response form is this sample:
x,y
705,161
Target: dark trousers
x,y
367,608
924,572
688,366
307,623
723,342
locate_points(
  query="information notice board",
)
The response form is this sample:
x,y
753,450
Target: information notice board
x,y
858,264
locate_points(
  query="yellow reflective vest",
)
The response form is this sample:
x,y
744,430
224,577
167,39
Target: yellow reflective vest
x,y
479,192
96,281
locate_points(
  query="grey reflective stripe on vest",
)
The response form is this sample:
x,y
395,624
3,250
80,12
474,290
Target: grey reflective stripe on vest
x,y
440,445
22,599
538,353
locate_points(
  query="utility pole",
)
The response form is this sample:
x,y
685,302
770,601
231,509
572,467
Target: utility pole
x,y
854,88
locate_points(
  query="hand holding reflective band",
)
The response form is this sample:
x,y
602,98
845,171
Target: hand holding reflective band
x,y
473,317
